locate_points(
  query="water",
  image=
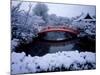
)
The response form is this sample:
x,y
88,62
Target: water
x,y
67,47
55,36
44,44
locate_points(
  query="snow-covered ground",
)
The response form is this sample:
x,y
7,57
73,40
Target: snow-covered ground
x,y
69,60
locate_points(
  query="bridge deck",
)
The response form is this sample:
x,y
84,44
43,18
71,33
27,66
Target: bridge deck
x,y
58,28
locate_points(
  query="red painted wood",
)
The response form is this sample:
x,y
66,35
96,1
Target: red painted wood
x,y
58,28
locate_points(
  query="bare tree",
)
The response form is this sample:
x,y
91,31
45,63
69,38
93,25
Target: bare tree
x,y
27,14
15,13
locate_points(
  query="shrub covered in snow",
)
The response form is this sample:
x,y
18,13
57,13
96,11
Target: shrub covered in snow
x,y
90,29
14,43
60,61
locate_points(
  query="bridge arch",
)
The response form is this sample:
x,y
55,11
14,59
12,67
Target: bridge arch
x,y
58,29
65,33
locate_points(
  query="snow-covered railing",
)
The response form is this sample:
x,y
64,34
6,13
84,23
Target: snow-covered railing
x,y
70,60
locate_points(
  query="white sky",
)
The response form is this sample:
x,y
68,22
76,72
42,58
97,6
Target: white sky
x,y
65,10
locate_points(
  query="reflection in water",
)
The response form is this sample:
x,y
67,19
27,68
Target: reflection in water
x,y
40,47
67,47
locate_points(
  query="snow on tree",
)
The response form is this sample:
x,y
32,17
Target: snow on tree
x,y
58,20
86,24
23,23
15,13
52,20
64,21
37,20
14,44
41,10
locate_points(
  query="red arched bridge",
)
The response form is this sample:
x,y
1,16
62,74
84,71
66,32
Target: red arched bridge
x,y
58,28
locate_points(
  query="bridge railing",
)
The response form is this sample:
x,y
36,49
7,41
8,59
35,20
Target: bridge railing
x,y
57,27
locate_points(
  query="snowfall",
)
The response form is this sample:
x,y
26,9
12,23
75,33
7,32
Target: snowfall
x,y
70,60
